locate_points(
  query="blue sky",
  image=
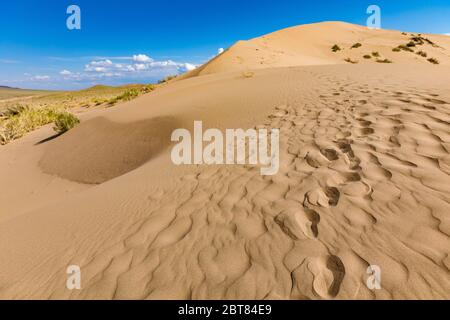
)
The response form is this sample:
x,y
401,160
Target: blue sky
x,y
144,40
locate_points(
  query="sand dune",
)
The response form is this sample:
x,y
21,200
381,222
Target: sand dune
x,y
364,180
311,45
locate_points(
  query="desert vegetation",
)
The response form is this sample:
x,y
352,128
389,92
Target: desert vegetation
x,y
433,60
422,53
383,61
65,121
24,110
18,120
335,48
349,60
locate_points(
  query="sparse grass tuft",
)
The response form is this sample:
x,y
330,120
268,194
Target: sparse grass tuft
x,y
384,61
375,54
167,79
405,48
248,74
65,121
433,60
422,53
351,61
411,44
335,48
367,56
356,45
396,49
131,94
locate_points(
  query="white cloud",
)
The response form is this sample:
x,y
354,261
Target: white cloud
x,y
446,34
220,50
187,67
140,66
142,58
41,78
65,73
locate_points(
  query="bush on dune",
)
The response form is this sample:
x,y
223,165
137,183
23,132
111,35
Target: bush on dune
x,y
433,61
65,121
350,61
335,48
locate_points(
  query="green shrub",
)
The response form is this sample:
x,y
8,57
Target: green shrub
x,y
65,121
131,94
433,60
367,56
411,44
405,48
422,53
167,79
335,48
350,60
396,49
356,45
384,61
376,54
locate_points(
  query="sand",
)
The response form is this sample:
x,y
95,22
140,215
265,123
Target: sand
x,y
364,180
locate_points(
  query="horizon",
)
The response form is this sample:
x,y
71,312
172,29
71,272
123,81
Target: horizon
x,y
146,41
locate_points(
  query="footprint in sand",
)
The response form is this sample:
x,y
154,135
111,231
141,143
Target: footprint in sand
x,y
299,223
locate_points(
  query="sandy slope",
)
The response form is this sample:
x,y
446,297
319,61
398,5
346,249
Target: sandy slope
x,y
364,180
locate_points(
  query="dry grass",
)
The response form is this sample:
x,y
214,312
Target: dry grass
x,y
433,61
16,122
383,61
65,121
422,53
349,60
248,74
335,48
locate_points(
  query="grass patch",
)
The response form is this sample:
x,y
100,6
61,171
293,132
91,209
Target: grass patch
x,y
396,49
167,79
405,48
19,120
65,121
350,60
411,44
335,48
376,54
433,61
384,61
422,53
248,74
131,94
367,56
356,45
